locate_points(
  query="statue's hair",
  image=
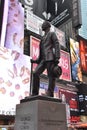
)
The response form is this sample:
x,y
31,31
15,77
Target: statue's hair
x,y
46,24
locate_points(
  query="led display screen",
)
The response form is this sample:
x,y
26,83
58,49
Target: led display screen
x,y
14,38
72,108
44,88
82,97
14,79
83,55
59,11
65,65
75,60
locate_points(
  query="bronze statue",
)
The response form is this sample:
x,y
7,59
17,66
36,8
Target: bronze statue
x,y
48,59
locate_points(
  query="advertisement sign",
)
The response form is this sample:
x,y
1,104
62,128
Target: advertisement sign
x,y
71,100
37,7
65,64
83,55
60,11
33,23
44,88
75,60
14,37
34,49
14,79
82,97
61,37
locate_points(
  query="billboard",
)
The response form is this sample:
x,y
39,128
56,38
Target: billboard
x,y
33,23
59,10
37,7
34,49
72,108
61,36
83,55
56,11
44,88
65,65
75,60
82,98
14,37
14,79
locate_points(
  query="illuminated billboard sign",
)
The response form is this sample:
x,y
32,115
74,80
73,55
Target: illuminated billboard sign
x,y
34,49
83,55
14,37
82,98
14,79
72,107
75,60
33,23
65,64
59,10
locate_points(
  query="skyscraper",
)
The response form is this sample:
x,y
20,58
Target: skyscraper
x,y
83,29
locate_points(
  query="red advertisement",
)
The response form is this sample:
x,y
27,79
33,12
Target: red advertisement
x,y
83,55
65,64
34,49
70,98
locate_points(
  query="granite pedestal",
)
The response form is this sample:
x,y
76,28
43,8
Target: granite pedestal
x,y
40,113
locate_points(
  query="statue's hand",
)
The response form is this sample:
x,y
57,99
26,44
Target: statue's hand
x,y
56,61
33,61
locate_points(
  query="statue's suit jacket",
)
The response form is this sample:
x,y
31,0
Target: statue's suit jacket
x,y
49,48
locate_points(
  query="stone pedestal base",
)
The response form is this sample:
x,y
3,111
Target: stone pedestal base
x,y
40,113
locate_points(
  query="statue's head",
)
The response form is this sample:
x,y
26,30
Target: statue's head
x,y
46,25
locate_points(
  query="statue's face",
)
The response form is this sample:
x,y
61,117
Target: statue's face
x,y
45,26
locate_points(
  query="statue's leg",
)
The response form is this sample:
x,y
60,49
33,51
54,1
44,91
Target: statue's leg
x,y
51,78
36,79
51,86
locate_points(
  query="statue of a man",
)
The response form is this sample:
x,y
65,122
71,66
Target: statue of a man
x,y
49,57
